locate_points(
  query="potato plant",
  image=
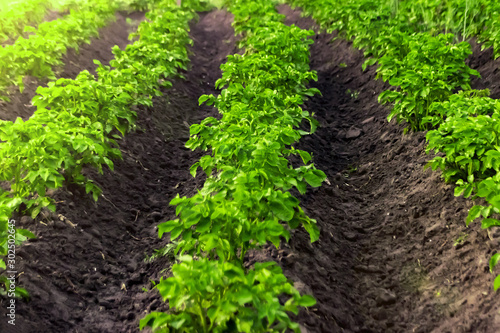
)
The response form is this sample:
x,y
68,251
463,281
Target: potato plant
x,y
467,136
245,202
38,54
469,139
423,65
215,296
432,70
77,122
14,19
359,20
432,82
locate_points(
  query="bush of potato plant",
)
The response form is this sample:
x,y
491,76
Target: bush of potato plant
x,y
245,202
216,296
77,121
431,82
38,54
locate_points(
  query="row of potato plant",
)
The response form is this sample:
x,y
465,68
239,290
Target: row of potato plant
x,y
244,203
463,18
39,53
77,122
422,66
431,91
20,14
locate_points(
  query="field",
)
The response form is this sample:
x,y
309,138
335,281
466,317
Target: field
x,y
250,166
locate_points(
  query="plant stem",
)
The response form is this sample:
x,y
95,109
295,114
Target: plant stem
x,y
465,18
202,316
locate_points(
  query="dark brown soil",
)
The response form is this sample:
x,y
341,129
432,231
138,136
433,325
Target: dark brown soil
x,y
116,33
489,69
394,253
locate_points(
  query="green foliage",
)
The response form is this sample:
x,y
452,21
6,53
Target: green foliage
x,y
15,17
8,231
431,82
10,237
39,53
211,296
468,137
431,70
77,121
244,203
240,206
493,262
143,5
365,20
489,30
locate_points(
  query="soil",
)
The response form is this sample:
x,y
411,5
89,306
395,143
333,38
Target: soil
x,y
116,33
489,69
394,253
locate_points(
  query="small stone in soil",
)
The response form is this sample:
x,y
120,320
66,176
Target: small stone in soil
x,y
386,298
367,269
353,133
350,236
156,216
368,120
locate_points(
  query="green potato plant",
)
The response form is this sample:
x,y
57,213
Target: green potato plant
x,y
244,203
211,296
493,263
77,122
468,137
39,53
14,19
430,72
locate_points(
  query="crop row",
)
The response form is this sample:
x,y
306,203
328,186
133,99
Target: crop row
x,y
431,87
20,14
77,121
38,54
244,203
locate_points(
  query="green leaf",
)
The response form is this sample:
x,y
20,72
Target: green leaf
x,y
177,200
282,211
306,157
244,296
203,99
474,213
307,301
489,222
496,283
21,292
25,233
193,169
36,211
313,231
315,177
177,324
167,227
368,62
195,129
494,261
176,232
